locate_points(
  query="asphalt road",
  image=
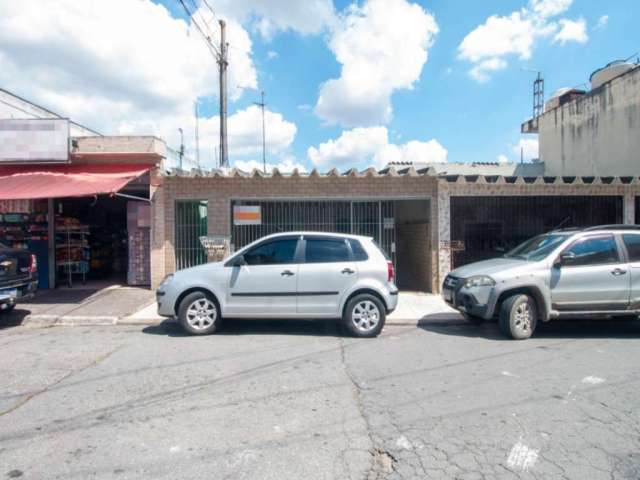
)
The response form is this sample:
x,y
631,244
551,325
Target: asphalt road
x,y
280,400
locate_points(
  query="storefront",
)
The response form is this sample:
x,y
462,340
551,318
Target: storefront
x,y
87,219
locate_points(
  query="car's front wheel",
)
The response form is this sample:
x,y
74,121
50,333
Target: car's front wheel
x,y
8,308
364,316
198,313
518,317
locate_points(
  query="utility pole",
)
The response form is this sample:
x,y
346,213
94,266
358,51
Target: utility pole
x,y
261,104
181,151
222,64
197,135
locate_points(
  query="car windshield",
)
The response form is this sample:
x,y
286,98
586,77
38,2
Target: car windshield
x,y
537,248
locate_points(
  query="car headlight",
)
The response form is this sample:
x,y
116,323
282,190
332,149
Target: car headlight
x,y
166,281
479,281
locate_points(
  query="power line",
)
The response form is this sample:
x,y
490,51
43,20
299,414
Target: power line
x,y
207,38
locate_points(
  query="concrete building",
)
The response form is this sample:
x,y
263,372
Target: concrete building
x,y
594,133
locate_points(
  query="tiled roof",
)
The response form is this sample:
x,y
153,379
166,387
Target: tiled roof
x,y
409,172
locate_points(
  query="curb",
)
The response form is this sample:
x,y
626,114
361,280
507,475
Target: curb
x,y
43,321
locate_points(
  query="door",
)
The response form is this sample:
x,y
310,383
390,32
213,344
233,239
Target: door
x,y
593,276
327,272
265,286
632,245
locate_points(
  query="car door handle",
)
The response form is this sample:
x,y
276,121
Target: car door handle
x,y
618,271
287,273
348,271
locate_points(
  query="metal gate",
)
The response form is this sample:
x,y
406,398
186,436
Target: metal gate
x,y
487,227
370,218
190,225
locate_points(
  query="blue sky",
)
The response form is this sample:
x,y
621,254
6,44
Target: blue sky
x,y
439,80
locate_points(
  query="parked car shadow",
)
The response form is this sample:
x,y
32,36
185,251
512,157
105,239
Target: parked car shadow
x,y
13,319
452,324
320,328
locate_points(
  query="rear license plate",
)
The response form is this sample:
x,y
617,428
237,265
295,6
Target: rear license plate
x,y
12,292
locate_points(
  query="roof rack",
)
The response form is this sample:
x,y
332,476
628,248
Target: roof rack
x,y
612,227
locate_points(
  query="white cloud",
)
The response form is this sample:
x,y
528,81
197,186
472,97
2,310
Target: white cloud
x,y
138,73
369,146
269,17
488,45
528,148
286,165
244,134
382,46
481,71
271,54
603,21
572,31
550,8
503,158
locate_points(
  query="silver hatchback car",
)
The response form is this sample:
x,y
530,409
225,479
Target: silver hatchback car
x,y
306,275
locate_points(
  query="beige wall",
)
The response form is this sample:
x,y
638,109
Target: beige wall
x,y
596,135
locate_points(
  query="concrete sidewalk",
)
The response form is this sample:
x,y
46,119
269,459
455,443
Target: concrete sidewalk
x,y
80,306
121,305
413,308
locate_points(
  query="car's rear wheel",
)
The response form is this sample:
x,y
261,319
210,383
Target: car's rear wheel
x,y
518,317
198,313
364,316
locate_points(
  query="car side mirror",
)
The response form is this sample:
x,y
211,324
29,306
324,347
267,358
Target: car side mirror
x,y
564,258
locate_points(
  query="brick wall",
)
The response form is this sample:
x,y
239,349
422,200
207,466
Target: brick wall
x,y
219,191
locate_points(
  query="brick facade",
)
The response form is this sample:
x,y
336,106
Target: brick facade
x,y
220,190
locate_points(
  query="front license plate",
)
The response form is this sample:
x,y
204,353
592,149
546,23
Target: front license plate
x,y
12,292
448,295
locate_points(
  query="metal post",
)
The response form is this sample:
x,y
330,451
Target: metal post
x,y
261,104
222,63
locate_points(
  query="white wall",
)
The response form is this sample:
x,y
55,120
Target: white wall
x,y
596,135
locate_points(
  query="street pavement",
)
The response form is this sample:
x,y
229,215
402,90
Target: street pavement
x,y
298,400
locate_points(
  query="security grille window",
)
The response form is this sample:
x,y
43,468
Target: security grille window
x,y
272,253
600,250
190,225
632,243
326,251
369,218
359,254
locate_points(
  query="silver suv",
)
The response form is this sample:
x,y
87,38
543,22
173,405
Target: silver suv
x,y
591,272
287,275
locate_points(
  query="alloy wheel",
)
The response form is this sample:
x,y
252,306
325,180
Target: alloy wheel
x,y
365,315
201,314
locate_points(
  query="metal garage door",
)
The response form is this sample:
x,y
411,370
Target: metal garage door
x,y
486,227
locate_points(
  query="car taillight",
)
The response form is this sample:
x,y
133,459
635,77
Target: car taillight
x,y
391,273
33,265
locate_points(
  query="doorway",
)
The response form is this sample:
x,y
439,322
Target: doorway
x,y
413,245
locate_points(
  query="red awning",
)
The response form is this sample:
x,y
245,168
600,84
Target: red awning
x,y
55,181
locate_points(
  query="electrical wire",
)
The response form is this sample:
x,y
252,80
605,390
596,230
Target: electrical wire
x,y
206,38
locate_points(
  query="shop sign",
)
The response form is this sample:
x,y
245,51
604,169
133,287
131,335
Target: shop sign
x,y
247,215
38,140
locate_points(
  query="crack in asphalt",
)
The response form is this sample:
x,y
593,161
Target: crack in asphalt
x,y
35,394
